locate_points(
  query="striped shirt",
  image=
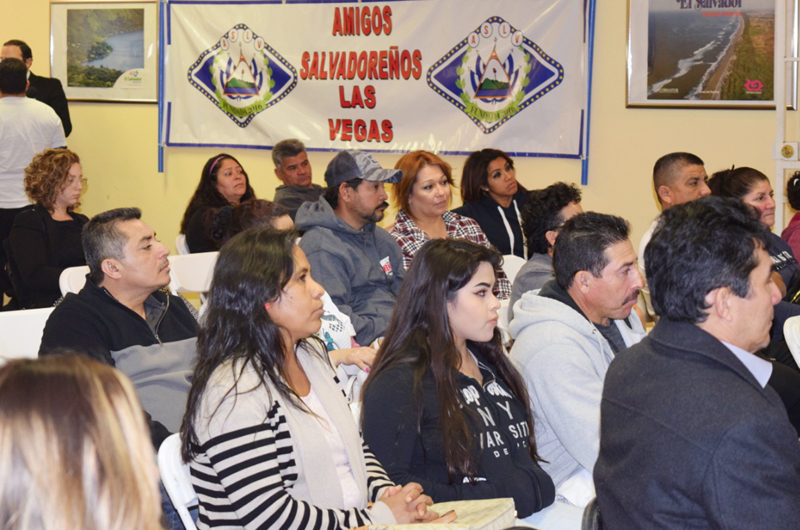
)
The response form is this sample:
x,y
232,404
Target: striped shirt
x,y
245,468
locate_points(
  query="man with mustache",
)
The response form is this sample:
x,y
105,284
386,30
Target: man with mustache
x,y
566,337
357,262
123,319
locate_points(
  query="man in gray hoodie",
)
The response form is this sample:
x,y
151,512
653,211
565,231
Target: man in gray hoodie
x,y
567,336
357,262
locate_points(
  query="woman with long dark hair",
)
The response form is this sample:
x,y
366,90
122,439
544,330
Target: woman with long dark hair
x,y
752,187
223,182
460,421
494,198
267,431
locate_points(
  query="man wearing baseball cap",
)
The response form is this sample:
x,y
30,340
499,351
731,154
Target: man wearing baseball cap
x,y
357,262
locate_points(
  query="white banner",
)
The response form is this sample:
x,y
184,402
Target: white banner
x,y
451,76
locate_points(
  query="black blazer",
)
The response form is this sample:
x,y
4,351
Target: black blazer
x,y
690,440
34,247
49,91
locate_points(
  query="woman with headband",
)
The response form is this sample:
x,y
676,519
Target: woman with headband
x,y
223,183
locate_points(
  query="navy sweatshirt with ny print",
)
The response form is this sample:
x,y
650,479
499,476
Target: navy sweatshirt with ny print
x,y
500,439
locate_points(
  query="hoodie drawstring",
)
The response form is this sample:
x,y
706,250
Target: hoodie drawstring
x,y
508,229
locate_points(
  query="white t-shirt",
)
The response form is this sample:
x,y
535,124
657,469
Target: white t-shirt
x,y
350,491
27,127
643,244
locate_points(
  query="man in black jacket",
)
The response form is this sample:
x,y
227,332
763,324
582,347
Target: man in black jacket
x,y
45,89
691,434
121,317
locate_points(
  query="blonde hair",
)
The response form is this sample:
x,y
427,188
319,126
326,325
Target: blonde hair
x,y
74,448
48,175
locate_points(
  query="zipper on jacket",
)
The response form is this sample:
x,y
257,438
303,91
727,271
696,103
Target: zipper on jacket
x,y
158,323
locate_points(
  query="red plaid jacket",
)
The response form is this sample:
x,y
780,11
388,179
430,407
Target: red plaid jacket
x,y
411,238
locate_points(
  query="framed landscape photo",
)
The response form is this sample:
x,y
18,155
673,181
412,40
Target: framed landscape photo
x,y
702,53
105,51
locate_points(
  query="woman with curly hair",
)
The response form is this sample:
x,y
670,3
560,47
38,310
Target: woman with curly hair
x,y
223,182
46,239
493,197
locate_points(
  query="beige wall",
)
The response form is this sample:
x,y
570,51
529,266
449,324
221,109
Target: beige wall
x,y
118,142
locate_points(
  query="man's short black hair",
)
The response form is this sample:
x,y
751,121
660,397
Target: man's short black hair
x,y
23,47
542,213
582,244
102,239
13,76
666,168
331,193
698,247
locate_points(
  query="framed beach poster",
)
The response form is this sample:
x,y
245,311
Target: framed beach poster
x,y
702,53
105,51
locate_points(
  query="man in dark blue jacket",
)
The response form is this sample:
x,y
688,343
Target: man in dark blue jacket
x,y
691,434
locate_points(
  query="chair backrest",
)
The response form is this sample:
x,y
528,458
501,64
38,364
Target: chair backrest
x,y
180,245
191,273
791,332
176,479
511,266
73,279
21,332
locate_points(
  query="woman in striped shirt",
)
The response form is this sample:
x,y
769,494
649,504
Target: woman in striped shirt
x,y
267,431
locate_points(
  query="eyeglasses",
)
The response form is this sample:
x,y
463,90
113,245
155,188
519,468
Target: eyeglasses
x,y
73,180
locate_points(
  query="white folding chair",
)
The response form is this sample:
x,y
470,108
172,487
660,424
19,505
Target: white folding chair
x,y
180,245
73,279
191,273
511,266
176,479
791,332
21,332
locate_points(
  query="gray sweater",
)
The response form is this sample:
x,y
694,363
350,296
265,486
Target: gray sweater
x,y
564,358
361,270
536,272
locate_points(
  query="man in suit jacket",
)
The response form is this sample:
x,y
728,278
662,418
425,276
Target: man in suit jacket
x,y
691,435
45,89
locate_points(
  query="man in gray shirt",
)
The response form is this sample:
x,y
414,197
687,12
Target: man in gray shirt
x,y
294,170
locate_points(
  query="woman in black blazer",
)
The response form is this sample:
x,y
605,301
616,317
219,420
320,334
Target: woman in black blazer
x,y
46,239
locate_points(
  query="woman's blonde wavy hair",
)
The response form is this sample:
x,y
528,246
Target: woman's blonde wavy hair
x,y
48,175
74,448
